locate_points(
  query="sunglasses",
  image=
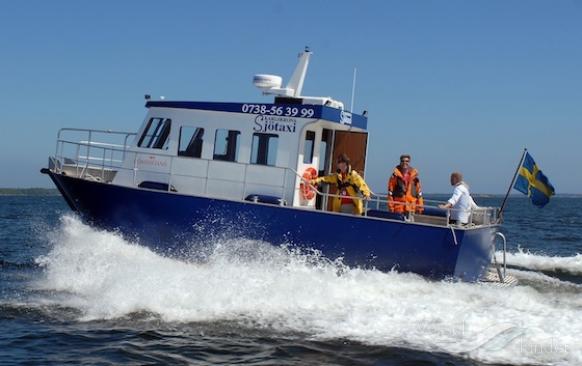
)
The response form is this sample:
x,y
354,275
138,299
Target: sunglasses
x,y
405,161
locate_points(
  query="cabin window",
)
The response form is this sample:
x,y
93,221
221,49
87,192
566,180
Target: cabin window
x,y
323,153
226,145
264,149
325,150
155,135
191,139
308,147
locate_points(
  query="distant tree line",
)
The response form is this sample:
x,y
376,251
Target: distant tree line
x,y
28,192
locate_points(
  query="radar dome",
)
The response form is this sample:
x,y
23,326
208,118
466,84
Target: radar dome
x,y
265,81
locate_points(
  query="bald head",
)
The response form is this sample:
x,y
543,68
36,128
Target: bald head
x,y
456,177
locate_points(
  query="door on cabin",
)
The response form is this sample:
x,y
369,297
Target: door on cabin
x,y
325,164
354,145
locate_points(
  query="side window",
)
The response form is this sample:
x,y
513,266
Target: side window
x,y
322,155
308,147
264,149
156,134
226,145
191,140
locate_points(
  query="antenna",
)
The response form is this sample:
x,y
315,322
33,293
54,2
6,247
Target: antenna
x,y
353,90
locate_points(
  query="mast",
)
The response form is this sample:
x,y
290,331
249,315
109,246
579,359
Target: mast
x,y
296,82
503,204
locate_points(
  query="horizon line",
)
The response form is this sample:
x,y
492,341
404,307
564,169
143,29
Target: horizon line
x,y
429,194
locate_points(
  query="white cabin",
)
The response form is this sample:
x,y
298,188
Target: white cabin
x,y
236,150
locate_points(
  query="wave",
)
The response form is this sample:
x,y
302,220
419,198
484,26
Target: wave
x,y
17,265
543,282
525,259
255,285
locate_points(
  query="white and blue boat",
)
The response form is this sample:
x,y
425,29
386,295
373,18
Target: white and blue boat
x,y
200,170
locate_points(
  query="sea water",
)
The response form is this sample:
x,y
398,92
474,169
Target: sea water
x,y
72,294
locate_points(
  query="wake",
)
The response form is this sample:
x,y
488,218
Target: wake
x,y
253,284
527,260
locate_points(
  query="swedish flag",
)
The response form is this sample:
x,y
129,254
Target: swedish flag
x,y
533,182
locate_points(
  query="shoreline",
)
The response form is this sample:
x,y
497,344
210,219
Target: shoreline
x,y
29,192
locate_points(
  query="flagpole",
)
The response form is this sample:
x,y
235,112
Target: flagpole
x,y
500,213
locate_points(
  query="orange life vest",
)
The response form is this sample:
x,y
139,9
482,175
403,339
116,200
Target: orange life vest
x,y
405,191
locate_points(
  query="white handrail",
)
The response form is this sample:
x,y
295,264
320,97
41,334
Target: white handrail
x,y
84,162
384,198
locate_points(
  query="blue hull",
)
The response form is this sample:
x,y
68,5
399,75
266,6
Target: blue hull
x,y
168,222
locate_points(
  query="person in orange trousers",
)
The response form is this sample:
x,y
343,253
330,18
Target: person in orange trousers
x,y
404,188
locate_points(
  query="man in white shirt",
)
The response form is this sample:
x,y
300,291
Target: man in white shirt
x,y
460,202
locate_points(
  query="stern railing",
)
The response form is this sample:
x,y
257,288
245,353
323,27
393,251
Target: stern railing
x,y
478,216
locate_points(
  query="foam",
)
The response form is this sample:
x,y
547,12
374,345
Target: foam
x,y
525,259
256,285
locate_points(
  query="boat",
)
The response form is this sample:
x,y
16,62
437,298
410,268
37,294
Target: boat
x,y
197,171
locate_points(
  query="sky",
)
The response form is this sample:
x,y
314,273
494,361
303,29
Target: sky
x,y
459,85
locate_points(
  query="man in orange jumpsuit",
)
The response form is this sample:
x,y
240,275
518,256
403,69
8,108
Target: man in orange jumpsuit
x,y
404,190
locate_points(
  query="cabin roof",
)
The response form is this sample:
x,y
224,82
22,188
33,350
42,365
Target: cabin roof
x,y
283,110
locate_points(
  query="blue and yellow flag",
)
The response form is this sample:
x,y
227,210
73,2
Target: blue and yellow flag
x,y
532,182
